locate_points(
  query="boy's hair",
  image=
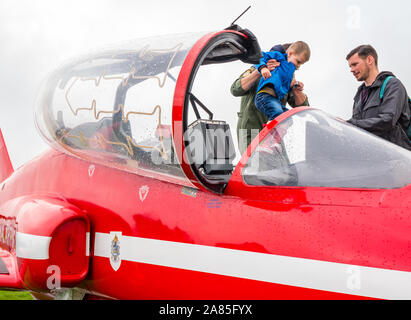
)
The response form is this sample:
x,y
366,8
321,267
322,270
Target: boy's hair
x,y
300,47
363,52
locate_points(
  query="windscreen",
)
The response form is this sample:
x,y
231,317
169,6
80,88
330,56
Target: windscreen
x,y
311,148
114,106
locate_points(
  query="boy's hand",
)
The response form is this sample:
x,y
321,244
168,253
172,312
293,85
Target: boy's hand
x,y
265,73
298,89
297,85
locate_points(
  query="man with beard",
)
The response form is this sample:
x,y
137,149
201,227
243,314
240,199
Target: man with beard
x,y
388,116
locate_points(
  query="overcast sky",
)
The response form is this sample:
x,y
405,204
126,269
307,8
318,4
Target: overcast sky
x,y
38,35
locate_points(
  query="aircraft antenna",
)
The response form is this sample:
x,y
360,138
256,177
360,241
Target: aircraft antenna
x,y
232,23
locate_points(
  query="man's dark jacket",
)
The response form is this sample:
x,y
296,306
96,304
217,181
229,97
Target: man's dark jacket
x,y
388,118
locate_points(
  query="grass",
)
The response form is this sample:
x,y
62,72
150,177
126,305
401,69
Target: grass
x,y
15,295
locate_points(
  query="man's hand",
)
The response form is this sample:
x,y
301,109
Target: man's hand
x,y
248,81
272,64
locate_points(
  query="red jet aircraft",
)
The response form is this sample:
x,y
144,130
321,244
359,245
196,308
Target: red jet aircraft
x,y
141,197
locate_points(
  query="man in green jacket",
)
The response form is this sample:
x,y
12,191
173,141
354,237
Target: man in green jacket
x,y
250,119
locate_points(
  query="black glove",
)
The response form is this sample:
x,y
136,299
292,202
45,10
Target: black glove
x,y
251,45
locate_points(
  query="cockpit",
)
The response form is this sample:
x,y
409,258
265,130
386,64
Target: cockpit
x,y
160,107
134,106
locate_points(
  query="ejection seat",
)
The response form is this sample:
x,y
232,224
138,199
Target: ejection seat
x,y
211,149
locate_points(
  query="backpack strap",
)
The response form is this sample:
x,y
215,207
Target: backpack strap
x,y
384,85
409,102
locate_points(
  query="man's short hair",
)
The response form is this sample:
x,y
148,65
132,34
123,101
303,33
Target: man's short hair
x,y
281,47
300,47
364,51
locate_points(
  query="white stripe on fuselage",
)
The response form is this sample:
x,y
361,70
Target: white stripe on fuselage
x,y
298,272
30,246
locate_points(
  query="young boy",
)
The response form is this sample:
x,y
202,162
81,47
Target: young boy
x,y
274,86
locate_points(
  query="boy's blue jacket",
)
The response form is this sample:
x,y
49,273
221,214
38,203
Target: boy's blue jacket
x,y
281,77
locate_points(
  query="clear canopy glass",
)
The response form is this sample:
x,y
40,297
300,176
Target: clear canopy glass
x,y
312,148
114,106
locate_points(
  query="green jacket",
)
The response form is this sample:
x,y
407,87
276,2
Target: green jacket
x,y
250,119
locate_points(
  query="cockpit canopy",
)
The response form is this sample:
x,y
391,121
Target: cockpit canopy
x,y
115,106
128,106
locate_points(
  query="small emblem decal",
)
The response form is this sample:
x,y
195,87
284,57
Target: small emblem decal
x,y
143,192
189,191
115,259
91,169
